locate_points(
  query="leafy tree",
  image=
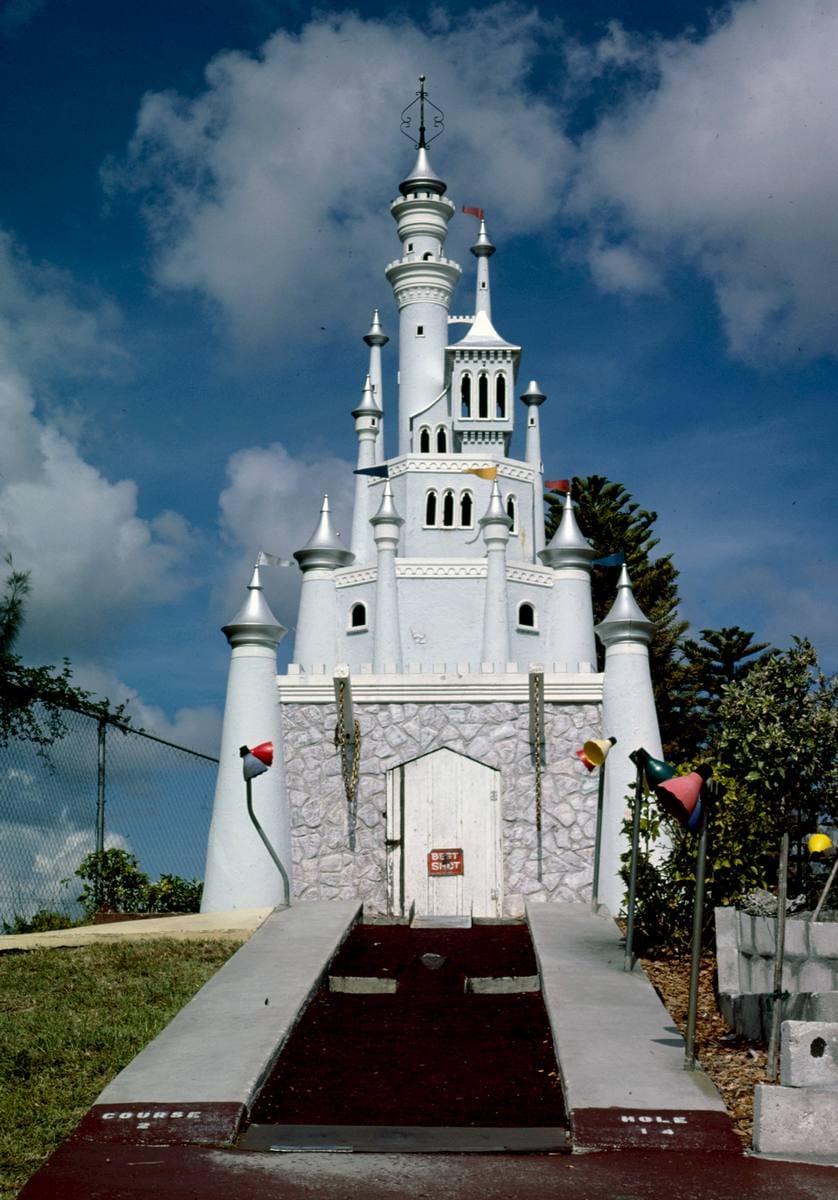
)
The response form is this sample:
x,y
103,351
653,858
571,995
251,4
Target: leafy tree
x,y
723,656
33,699
613,521
115,883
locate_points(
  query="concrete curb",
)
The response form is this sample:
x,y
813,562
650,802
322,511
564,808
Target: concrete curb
x,y
234,924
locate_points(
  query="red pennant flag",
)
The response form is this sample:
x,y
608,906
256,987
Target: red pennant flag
x,y
475,212
256,761
557,485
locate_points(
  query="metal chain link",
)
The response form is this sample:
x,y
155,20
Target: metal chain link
x,y
350,766
537,747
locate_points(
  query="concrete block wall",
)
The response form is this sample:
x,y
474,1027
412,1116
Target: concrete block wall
x,y
800,1117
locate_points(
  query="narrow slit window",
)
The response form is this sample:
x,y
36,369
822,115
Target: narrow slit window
x,y
466,511
424,440
358,616
500,397
430,508
420,330
512,512
442,440
448,510
465,395
483,397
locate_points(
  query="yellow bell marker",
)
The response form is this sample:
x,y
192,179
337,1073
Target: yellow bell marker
x,y
818,842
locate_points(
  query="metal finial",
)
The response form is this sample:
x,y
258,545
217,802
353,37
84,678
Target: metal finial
x,y
407,118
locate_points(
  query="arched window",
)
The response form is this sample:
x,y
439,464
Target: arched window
x,y
466,511
430,508
441,440
424,440
358,616
500,396
427,256
448,510
465,394
483,396
512,512
526,615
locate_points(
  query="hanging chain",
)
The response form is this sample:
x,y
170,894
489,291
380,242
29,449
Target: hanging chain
x,y
350,765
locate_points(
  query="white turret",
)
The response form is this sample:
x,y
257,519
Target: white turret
x,y
239,871
533,397
628,714
496,525
367,416
571,633
316,641
483,251
387,648
423,282
375,339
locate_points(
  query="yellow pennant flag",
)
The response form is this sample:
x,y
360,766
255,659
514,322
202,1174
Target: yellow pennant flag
x,y
482,472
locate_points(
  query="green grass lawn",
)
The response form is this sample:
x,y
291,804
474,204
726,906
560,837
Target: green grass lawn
x,y
69,1020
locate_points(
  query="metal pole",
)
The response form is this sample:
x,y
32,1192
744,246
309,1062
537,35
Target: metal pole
x,y
826,890
779,951
286,883
598,839
695,964
100,785
635,845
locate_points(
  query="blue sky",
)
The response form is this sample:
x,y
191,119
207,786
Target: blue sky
x,y
193,228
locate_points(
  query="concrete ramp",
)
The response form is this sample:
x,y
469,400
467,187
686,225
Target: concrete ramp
x,y
621,1059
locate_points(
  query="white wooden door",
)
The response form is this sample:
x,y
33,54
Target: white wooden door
x,y
444,801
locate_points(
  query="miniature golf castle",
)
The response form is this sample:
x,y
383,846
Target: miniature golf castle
x,y
444,670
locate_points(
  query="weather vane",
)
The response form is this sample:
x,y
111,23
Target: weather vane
x,y
407,118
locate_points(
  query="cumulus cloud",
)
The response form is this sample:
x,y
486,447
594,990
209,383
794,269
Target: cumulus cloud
x,y
723,155
267,192
270,499
93,560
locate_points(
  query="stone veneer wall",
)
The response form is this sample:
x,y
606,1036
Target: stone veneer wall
x,y
493,733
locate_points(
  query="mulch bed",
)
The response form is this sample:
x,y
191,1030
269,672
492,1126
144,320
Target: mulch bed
x,y
429,1054
734,1064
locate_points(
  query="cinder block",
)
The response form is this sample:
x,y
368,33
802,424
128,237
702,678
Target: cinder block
x,y
823,1007
796,1121
809,1054
815,975
727,951
824,935
796,939
764,935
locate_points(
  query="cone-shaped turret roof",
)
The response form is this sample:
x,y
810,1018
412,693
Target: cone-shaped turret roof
x,y
496,511
376,335
254,622
625,622
482,248
483,333
568,546
324,548
367,406
387,512
533,394
423,178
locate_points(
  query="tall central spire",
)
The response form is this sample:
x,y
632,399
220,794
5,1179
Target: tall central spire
x,y
407,118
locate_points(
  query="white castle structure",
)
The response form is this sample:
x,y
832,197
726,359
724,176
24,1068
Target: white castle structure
x,y
444,670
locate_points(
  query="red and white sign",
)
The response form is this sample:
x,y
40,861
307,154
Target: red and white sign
x,y
445,862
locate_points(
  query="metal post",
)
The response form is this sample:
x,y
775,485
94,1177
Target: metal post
x,y
598,838
635,846
695,964
342,681
826,890
100,785
779,951
286,883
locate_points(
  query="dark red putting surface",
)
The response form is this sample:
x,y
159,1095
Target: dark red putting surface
x,y
430,1054
483,950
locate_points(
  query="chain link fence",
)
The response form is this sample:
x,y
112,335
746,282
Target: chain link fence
x,y
102,785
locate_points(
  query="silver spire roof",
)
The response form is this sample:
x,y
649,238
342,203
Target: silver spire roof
x,y
496,511
368,405
482,248
483,333
625,621
254,622
387,511
376,335
568,546
423,178
533,394
324,548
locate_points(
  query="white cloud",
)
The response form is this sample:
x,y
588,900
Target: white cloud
x,y
268,191
93,560
272,502
724,156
